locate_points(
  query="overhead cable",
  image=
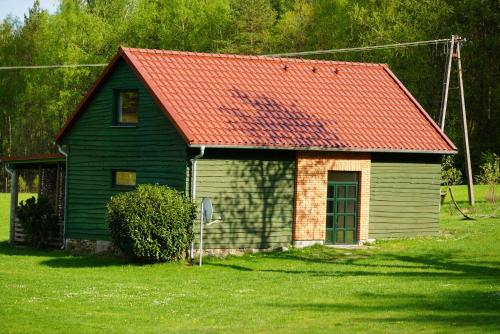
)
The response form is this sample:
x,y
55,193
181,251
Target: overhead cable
x,y
289,54
50,66
363,48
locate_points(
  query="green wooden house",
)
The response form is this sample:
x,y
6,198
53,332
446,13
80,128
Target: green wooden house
x,y
290,151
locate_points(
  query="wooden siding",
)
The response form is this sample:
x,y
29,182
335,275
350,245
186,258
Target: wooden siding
x,y
404,197
153,148
254,197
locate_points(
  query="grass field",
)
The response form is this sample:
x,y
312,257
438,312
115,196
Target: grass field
x,y
444,284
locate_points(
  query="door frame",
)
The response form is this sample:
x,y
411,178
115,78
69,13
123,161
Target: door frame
x,y
334,214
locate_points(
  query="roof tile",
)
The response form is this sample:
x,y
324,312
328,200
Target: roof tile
x,y
232,100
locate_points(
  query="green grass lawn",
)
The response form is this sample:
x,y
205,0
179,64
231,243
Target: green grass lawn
x,y
449,283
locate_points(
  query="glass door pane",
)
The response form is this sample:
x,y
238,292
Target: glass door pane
x,y
342,208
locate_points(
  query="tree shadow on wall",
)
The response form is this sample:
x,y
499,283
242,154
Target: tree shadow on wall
x,y
257,211
257,208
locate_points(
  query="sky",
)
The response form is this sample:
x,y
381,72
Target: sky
x,y
20,7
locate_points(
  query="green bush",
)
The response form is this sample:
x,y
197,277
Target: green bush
x,y
152,223
450,175
22,185
489,174
38,220
489,169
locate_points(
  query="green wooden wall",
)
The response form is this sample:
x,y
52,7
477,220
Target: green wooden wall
x,y
252,190
154,149
404,199
253,194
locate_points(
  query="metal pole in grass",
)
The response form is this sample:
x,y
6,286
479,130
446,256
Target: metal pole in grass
x,y
201,234
205,217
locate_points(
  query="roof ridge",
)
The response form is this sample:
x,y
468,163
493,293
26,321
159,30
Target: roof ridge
x,y
252,57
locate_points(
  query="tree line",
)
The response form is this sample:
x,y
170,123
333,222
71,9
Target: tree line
x,y
35,103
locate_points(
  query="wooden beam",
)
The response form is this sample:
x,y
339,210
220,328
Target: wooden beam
x,y
40,180
56,202
13,205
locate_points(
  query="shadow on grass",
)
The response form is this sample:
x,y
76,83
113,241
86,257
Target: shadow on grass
x,y
346,273
442,265
62,259
10,250
469,308
446,304
84,261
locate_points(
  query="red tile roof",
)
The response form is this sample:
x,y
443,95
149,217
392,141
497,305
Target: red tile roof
x,y
251,101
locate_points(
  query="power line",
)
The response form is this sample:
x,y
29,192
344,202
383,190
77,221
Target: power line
x,y
50,66
363,48
290,54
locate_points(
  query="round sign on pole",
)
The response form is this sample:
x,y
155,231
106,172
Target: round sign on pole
x,y
208,210
206,217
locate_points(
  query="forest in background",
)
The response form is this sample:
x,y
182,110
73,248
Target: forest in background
x,y
35,103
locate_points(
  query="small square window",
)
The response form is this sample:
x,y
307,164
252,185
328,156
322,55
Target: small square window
x,y
127,107
124,178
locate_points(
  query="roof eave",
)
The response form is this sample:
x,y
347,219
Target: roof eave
x,y
167,109
325,149
421,109
164,105
87,98
34,158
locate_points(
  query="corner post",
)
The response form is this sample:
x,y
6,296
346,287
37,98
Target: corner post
x,y
13,205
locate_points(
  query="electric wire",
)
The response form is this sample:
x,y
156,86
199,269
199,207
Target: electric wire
x,y
289,54
362,48
50,66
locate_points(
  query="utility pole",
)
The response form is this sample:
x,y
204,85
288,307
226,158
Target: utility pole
x,y
468,167
454,54
446,84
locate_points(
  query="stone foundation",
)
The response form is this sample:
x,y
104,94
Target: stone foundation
x,y
82,246
222,252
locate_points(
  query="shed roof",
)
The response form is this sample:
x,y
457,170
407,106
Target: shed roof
x,y
49,158
280,103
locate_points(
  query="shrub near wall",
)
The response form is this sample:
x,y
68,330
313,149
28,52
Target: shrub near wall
x,y
38,221
152,223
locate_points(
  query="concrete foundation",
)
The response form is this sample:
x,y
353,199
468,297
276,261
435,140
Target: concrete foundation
x,y
307,243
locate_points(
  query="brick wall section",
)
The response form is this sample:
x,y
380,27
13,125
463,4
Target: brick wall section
x,y
311,188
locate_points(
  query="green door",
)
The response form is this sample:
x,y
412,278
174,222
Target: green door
x,y
342,208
